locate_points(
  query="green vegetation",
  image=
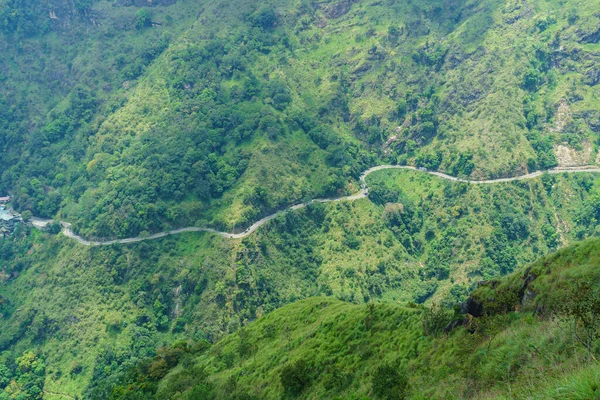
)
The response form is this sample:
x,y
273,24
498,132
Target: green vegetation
x,y
128,120
190,113
120,303
323,348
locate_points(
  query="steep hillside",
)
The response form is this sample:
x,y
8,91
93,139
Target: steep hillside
x,y
323,348
254,106
129,117
90,312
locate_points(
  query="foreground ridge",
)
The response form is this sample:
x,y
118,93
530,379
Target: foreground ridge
x,y
67,231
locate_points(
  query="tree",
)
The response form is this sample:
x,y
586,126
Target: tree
x,y
265,18
582,310
435,319
143,19
26,215
390,382
295,377
532,79
369,319
401,109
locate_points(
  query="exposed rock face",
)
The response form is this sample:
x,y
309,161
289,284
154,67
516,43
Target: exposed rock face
x,y
568,157
562,117
338,9
145,3
591,37
592,118
592,77
527,294
455,324
473,307
517,10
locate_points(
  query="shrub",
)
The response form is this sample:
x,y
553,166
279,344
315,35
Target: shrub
x,y
295,377
435,319
143,19
390,382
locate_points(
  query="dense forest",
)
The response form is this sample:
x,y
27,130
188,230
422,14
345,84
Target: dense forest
x,y
126,118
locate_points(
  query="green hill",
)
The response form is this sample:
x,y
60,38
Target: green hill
x,y
217,113
129,117
527,339
91,312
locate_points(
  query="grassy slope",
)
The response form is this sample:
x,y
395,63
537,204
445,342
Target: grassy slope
x,y
329,333
104,299
517,355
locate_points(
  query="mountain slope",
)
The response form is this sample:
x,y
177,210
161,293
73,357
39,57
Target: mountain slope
x,y
126,118
323,348
257,106
91,312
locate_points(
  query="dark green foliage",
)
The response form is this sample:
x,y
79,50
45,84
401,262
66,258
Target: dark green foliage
x,y
430,55
544,149
402,109
590,212
429,159
462,165
265,18
369,319
532,79
499,253
245,348
295,377
390,382
22,18
424,291
143,19
515,225
25,374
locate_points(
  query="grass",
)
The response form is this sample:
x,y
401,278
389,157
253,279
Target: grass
x,y
305,330
500,356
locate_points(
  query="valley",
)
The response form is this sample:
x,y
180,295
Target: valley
x,y
299,199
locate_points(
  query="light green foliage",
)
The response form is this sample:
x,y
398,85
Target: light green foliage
x,y
21,378
320,347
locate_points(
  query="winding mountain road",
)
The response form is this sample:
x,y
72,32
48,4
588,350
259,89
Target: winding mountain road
x,y
67,231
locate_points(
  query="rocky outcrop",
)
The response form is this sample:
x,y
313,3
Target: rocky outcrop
x,y
145,3
338,9
592,77
590,37
592,119
527,294
474,307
